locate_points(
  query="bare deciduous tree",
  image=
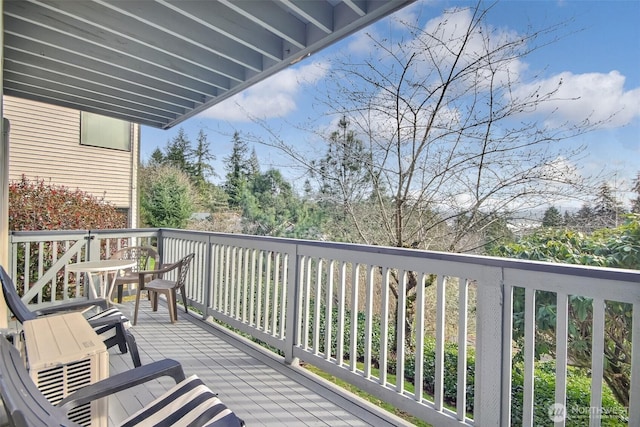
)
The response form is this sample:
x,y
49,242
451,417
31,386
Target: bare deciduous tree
x,y
451,140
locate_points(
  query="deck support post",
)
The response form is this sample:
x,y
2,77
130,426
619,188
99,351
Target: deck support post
x,y
489,350
291,337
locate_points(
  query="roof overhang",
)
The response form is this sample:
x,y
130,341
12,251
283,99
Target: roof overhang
x,y
160,62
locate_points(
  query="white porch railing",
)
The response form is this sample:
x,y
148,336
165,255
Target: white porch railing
x,y
323,303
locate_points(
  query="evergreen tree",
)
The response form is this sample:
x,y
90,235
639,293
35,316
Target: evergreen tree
x,y
607,209
552,217
166,198
237,167
583,220
157,158
178,153
253,166
202,157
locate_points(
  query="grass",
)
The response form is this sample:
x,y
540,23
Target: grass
x,y
368,397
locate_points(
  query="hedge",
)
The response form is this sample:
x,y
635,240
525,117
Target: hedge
x,y
578,380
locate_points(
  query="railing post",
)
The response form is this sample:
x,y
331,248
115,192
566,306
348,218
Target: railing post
x,y
208,279
160,245
292,309
489,350
93,247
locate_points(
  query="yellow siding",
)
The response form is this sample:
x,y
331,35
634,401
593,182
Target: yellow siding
x,y
45,144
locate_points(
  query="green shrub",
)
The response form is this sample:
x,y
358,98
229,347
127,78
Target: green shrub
x,y
578,381
578,397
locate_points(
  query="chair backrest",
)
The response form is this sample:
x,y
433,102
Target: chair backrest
x,y
183,269
14,302
25,405
147,257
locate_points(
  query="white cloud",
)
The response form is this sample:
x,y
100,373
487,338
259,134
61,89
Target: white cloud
x,y
596,96
275,96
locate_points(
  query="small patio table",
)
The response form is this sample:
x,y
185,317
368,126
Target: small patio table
x,y
104,267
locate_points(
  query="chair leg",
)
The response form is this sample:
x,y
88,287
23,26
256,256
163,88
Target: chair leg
x,y
133,348
120,293
174,298
183,292
154,300
135,312
170,305
121,335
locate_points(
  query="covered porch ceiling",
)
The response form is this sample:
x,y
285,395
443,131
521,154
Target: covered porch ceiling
x,y
160,62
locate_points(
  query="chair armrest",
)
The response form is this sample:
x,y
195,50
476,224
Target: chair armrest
x,y
123,381
106,321
155,273
72,306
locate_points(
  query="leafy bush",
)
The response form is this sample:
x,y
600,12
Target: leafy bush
x,y
578,381
167,197
578,397
34,205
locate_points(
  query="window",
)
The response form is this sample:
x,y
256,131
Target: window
x,y
106,132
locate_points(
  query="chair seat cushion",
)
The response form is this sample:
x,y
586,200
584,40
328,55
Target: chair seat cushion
x,y
188,403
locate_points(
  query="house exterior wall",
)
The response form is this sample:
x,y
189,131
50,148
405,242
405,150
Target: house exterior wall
x,y
44,143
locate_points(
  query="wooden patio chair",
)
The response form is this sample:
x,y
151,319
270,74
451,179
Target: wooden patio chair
x,y
188,403
147,257
110,324
159,285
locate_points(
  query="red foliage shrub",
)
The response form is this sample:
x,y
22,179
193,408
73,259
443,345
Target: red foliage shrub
x,y
40,206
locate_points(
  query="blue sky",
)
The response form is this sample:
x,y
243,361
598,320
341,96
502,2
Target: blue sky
x,y
598,59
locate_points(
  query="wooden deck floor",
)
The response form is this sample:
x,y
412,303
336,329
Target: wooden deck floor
x,y
258,387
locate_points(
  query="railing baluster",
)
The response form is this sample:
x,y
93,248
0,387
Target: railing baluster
x,y
353,351
306,287
384,327
316,307
461,401
259,294
419,356
529,352
368,326
276,297
341,299
597,361
252,292
233,252
634,396
245,280
284,304
267,292
227,281
400,334
328,308
562,328
41,272
441,301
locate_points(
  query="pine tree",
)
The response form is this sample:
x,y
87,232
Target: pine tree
x,y
608,209
202,157
253,166
237,167
157,158
178,153
552,217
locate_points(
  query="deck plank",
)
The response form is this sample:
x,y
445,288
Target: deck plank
x,y
259,387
